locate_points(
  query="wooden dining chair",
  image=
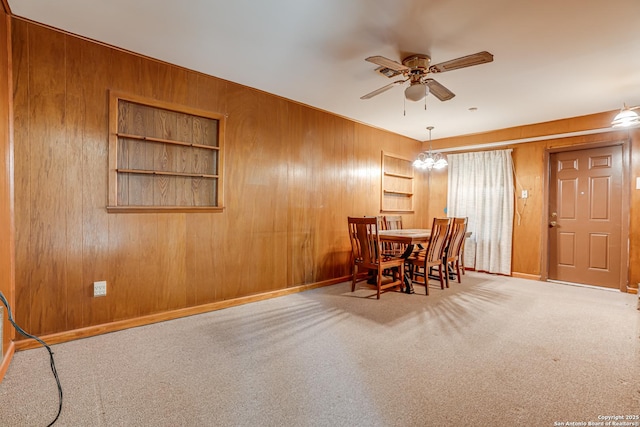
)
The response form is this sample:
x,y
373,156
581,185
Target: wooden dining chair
x,y
368,256
453,251
393,222
422,261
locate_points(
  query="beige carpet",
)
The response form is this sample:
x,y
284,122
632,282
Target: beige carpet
x,y
491,351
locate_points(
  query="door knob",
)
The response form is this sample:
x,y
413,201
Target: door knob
x,y
552,224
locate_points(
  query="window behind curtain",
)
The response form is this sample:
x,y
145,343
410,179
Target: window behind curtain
x,y
481,189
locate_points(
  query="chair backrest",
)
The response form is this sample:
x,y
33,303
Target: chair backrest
x,y
365,241
393,222
456,237
438,239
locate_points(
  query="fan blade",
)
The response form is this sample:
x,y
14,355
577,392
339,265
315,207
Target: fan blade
x,y
382,89
439,91
465,61
389,63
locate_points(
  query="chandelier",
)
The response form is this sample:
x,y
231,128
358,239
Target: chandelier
x,y
430,160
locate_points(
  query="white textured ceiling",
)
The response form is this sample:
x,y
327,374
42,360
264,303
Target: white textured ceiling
x,y
552,58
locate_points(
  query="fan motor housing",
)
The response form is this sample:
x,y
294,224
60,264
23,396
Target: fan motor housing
x,y
417,62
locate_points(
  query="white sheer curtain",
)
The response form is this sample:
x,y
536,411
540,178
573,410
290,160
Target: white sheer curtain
x,y
481,189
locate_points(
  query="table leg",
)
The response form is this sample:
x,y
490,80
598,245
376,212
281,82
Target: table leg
x,y
408,283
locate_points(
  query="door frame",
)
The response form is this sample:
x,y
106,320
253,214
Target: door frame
x,y
607,139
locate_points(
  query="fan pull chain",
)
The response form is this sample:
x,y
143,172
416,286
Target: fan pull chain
x,y
425,96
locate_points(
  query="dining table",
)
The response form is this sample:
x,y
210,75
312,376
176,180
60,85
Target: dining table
x,y
411,237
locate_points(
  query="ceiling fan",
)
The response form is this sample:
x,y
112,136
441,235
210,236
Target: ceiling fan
x,y
415,69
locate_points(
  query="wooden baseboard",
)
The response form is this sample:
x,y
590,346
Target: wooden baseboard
x,y
6,360
104,328
632,290
525,276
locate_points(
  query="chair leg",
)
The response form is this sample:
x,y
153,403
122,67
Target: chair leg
x,y
426,279
446,274
442,280
353,282
458,270
379,283
461,257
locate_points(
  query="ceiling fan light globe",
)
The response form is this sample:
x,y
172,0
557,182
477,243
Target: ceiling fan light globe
x,y
625,118
416,92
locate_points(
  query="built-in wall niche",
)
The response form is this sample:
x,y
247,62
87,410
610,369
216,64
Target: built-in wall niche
x,y
397,184
163,157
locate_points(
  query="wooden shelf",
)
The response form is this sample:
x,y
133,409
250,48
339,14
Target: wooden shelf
x,y
397,184
164,157
402,193
161,209
396,175
165,141
148,172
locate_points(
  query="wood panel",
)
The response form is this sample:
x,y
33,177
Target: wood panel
x,y
22,158
94,70
73,122
7,251
48,171
438,184
528,161
634,212
257,203
554,127
304,195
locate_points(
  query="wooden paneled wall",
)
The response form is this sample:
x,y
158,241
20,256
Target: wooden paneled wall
x,y
529,162
634,212
6,193
292,176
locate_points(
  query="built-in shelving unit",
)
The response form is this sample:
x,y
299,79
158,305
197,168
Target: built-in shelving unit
x,y
397,184
163,157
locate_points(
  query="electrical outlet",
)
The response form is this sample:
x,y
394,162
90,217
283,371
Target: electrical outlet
x,y
100,288
525,194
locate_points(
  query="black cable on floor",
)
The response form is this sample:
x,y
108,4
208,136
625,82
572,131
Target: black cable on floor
x,y
53,364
